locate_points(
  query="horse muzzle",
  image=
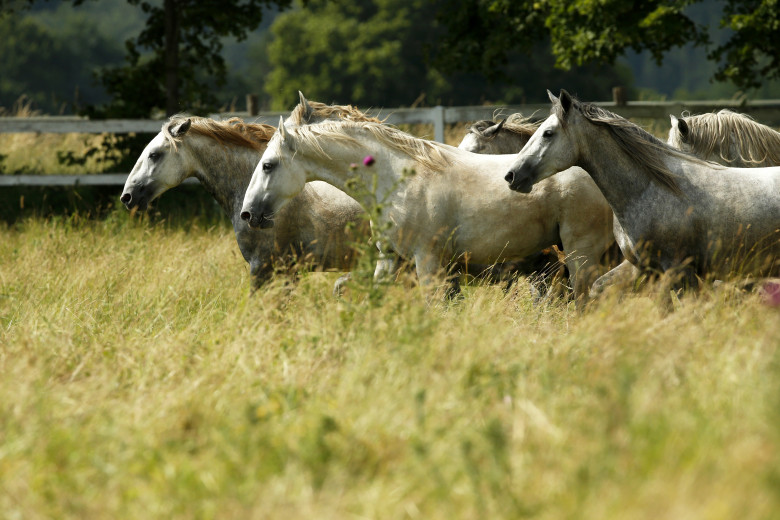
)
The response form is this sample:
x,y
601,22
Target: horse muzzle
x,y
135,199
256,218
519,181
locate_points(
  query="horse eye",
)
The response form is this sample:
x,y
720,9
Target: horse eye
x,y
155,155
267,167
547,133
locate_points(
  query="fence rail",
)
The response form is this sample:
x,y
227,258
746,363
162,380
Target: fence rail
x,y
764,111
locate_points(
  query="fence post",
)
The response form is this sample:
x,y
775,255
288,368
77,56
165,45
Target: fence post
x,y
619,96
251,104
437,114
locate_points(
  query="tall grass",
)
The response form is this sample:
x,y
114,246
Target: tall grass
x,y
139,379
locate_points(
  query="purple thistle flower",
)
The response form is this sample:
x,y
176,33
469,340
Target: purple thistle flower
x,y
369,160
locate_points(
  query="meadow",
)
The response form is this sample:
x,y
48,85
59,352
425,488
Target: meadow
x,y
140,379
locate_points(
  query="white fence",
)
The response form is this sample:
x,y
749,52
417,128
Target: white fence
x,y
764,111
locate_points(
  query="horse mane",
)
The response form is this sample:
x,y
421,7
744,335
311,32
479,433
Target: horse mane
x,y
428,153
320,111
756,144
233,132
516,123
647,151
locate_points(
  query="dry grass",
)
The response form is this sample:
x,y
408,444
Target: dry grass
x,y
140,380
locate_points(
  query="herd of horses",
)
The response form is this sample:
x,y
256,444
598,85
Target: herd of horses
x,y
703,206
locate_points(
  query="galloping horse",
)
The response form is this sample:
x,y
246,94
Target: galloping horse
x,y
676,211
453,207
222,156
726,137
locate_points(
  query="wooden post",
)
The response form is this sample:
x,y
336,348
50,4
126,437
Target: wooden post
x,y
437,114
619,96
251,104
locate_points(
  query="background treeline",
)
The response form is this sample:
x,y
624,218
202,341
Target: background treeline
x,y
77,56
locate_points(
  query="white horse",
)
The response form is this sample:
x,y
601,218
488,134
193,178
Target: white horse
x,y
222,156
728,138
507,136
454,207
676,211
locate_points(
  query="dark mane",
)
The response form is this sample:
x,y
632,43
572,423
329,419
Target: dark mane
x,y
648,151
515,123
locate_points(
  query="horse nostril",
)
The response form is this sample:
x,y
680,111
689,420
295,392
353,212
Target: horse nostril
x,y
125,198
245,215
510,177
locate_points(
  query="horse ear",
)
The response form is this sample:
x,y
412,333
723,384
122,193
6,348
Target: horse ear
x,y
284,133
308,111
566,101
493,130
683,128
552,97
181,129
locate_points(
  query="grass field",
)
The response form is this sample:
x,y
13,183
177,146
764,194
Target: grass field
x,y
139,379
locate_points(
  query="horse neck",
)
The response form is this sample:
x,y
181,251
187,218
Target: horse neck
x,y
509,142
619,177
225,171
343,161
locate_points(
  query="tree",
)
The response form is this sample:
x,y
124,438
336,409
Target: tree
x,y
52,69
383,53
357,51
751,55
182,64
481,34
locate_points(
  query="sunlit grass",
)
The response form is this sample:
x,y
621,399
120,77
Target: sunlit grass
x,y
140,379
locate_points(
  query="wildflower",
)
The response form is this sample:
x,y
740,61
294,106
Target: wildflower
x,y
369,160
353,166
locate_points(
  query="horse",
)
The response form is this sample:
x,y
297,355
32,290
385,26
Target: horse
x,y
388,263
431,211
679,214
728,138
507,136
222,156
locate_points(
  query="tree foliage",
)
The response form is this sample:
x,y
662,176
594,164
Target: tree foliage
x,y
386,53
751,55
144,84
482,33
52,69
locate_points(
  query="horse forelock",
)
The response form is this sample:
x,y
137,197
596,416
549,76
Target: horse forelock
x,y
428,153
321,111
715,133
233,132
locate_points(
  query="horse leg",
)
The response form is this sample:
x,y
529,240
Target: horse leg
x,y
621,276
429,273
387,266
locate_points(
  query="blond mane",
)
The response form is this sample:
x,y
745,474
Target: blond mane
x,y
715,133
317,112
233,132
429,154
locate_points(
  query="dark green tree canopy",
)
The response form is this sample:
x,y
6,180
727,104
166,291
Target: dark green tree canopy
x,y
385,53
481,34
752,54
175,63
